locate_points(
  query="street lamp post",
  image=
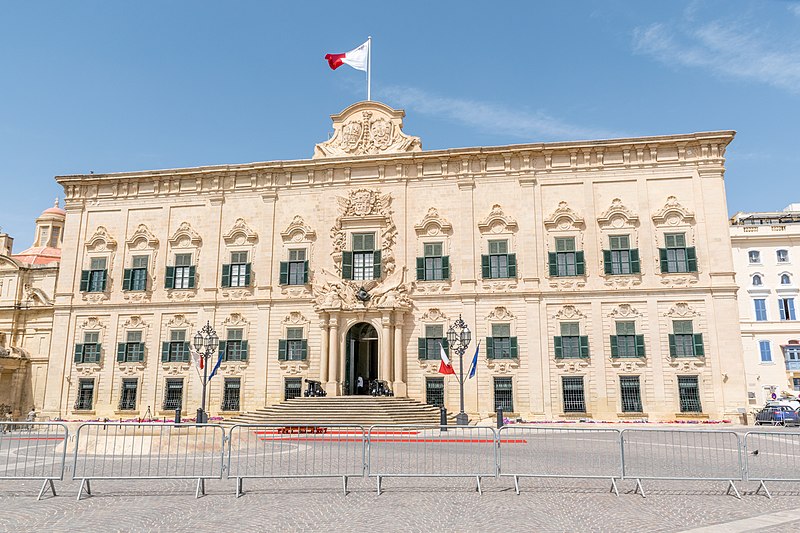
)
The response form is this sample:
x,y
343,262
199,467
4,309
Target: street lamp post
x,y
459,337
206,343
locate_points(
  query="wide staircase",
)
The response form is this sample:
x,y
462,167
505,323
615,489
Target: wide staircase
x,y
349,410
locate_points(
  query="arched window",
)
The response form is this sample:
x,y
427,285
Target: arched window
x,y
783,256
757,280
785,280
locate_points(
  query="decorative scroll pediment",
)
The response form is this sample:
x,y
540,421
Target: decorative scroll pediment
x,y
624,311
500,313
295,318
563,218
101,241
497,222
185,237
134,321
367,128
179,321
92,322
618,216
365,208
142,239
672,214
433,315
240,234
433,224
298,231
569,312
681,310
235,319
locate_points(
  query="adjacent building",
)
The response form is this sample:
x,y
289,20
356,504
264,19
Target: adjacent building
x,y
597,277
766,252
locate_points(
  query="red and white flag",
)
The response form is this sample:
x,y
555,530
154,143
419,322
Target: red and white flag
x,y
445,367
198,359
357,58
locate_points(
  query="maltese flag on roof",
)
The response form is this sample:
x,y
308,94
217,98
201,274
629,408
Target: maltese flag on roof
x,y
358,58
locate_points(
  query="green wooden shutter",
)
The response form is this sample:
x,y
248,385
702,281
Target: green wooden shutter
x,y
580,264
445,344
85,275
169,279
422,347
191,276
635,264
699,349
282,350
226,276
672,349
78,353
243,354
164,352
126,279
187,350
223,350
121,352
640,351
691,259
305,272
103,279
557,347
512,265
284,273
347,265
662,255
304,349
489,347
552,263
607,266
445,267
376,264
486,271
421,269
247,270
514,350
140,352
584,340
614,347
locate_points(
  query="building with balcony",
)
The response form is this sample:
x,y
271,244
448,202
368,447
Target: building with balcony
x,y
766,252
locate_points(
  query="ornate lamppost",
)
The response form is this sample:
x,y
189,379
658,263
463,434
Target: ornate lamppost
x,y
206,343
459,337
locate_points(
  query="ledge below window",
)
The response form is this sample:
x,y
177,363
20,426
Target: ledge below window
x,y
690,416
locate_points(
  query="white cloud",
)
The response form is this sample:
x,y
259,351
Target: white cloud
x,y
794,8
726,49
491,117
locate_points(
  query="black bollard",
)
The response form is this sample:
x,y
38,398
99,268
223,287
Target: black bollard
x,y
178,415
443,418
499,417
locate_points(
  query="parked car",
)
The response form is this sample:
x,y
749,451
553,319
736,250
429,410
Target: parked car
x,y
778,415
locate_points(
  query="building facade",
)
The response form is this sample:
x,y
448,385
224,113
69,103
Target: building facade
x,y
27,292
597,277
766,253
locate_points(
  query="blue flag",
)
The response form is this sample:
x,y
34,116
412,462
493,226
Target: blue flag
x,y
474,365
216,367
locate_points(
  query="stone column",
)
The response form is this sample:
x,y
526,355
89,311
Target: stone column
x,y
399,385
386,348
332,387
324,343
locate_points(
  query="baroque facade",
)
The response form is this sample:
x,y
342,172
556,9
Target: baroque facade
x,y
597,277
766,253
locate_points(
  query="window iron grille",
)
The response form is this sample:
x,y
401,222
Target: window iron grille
x,y
434,391
503,394
574,397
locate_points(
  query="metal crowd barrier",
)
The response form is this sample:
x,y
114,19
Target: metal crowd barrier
x,y
699,455
771,456
33,450
148,451
428,451
560,453
295,451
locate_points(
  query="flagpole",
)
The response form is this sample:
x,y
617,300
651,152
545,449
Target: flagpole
x,y
369,67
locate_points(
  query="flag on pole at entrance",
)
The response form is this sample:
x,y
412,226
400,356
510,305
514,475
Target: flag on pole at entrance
x,y
474,365
356,58
216,366
445,367
198,359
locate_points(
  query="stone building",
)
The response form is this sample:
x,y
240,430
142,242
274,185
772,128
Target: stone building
x,y
766,254
27,292
597,276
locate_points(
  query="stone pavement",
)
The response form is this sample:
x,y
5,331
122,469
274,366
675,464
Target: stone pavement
x,y
406,505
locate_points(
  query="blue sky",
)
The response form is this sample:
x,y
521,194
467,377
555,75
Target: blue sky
x,y
118,86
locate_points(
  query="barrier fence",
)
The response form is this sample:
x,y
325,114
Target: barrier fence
x,y
431,451
271,451
148,451
33,450
37,451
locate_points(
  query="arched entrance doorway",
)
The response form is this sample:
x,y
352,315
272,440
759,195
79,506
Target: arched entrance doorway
x,y
361,358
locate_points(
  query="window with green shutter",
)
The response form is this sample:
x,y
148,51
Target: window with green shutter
x,y
683,342
135,278
433,265
295,270
294,346
570,344
428,347
626,343
676,256
89,350
234,348
182,275
498,263
566,260
177,348
132,350
365,260
503,345
94,279
620,258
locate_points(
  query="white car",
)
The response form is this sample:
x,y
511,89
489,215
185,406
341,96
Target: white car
x,y
792,404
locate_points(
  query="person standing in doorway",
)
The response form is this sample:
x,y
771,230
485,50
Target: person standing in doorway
x,y
360,385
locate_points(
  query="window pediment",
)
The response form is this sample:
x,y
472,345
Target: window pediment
x,y
564,219
618,216
185,237
142,239
101,241
497,222
673,214
298,231
240,234
433,224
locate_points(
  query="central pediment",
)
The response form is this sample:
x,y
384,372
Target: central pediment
x,y
367,128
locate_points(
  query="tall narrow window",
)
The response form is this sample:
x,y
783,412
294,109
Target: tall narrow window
x,y
431,344
501,345
54,237
294,347
364,261
173,394
182,275
176,349
573,394
676,256
234,348
757,282
620,259
237,273
683,342
566,260
89,350
630,394
571,344
434,391
94,279
786,308
295,270
689,394
230,398
503,394
132,350
761,309
785,279
434,265
626,343
127,397
85,398
765,350
135,278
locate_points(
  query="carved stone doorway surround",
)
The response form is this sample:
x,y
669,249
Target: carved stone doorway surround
x,y
391,357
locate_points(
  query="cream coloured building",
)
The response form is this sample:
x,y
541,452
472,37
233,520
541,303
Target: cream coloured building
x,y
766,253
597,275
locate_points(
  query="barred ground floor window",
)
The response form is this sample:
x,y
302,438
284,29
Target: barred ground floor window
x,y
503,394
689,394
127,398
173,394
85,398
573,394
230,397
291,388
630,394
434,391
